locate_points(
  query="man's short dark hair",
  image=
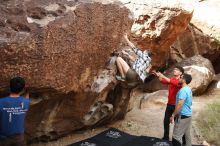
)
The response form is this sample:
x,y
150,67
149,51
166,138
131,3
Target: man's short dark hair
x,y
187,78
17,84
180,68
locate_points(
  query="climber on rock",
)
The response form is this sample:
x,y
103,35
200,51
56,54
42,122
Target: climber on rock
x,y
140,68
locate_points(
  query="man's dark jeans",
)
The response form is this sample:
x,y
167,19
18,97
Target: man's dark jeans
x,y
166,122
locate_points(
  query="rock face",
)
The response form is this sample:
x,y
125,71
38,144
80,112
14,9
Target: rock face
x,y
157,25
200,68
61,48
215,84
157,98
202,73
206,19
194,42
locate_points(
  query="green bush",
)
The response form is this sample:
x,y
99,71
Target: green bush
x,y
209,123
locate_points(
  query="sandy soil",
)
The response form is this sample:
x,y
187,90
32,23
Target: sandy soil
x,y
147,121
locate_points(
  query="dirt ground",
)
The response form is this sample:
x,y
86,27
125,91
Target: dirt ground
x,y
147,121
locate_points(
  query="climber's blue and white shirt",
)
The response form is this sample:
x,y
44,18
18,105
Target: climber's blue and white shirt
x,y
141,63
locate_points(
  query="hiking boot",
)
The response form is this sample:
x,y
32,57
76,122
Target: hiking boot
x,y
110,64
120,78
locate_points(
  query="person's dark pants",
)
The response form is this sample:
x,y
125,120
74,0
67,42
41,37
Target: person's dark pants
x,y
166,122
17,140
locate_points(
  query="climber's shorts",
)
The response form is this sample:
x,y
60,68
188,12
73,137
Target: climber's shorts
x,y
131,75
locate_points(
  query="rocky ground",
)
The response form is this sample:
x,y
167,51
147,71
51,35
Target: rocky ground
x,y
145,121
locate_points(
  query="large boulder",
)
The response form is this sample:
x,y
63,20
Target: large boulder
x,y
199,67
195,42
61,49
156,98
202,73
206,19
157,25
215,84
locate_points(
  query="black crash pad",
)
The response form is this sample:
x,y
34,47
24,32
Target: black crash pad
x,y
115,137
